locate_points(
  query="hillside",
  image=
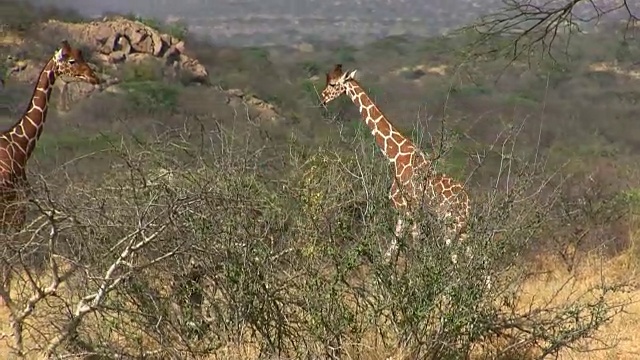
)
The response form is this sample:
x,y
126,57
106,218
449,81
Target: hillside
x,y
201,204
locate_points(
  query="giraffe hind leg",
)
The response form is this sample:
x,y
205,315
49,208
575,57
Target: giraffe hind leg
x,y
5,274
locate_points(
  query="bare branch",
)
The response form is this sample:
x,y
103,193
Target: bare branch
x,y
533,27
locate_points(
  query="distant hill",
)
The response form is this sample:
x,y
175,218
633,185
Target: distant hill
x,y
258,22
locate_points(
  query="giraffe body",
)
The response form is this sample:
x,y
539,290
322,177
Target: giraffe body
x,y
415,184
18,142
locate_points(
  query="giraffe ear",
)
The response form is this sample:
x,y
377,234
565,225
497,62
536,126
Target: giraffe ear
x,y
351,75
338,69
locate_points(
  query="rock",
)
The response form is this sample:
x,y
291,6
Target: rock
x,y
168,39
123,44
305,47
123,39
114,90
260,108
24,70
117,57
179,46
103,32
235,92
195,71
103,58
144,40
139,58
106,46
20,65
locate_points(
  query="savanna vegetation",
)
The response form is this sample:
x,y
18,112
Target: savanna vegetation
x,y
164,225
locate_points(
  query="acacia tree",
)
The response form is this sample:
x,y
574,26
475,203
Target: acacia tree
x,y
535,26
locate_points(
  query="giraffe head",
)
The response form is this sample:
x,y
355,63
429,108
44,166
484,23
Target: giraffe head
x,y
336,83
69,65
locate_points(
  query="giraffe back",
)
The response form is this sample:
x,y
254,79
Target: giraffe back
x,y
417,185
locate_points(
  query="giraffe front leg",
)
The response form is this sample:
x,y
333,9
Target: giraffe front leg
x,y
488,281
398,232
448,240
399,227
415,231
454,258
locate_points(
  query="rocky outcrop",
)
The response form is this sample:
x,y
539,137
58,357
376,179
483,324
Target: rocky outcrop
x,y
120,40
112,42
262,110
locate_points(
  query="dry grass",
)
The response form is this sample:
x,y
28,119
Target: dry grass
x,y
11,39
557,284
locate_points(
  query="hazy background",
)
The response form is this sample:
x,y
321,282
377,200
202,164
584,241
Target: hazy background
x,y
258,22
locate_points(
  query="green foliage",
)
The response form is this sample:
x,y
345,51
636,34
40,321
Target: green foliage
x,y
412,74
310,89
555,72
627,50
178,30
632,198
316,177
152,95
393,45
145,88
603,79
345,54
470,90
375,92
257,53
522,99
21,16
149,70
80,143
253,60
311,68
438,45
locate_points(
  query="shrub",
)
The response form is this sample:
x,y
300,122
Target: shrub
x,y
151,96
190,249
178,30
149,70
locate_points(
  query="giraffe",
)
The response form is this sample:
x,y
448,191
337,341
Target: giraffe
x,y
18,142
415,184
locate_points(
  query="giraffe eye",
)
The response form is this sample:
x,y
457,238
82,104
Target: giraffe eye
x,y
71,61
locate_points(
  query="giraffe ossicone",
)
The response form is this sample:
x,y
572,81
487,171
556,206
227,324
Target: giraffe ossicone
x,y
19,141
415,184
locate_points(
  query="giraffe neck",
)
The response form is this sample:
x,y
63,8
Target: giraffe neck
x,y
23,134
398,149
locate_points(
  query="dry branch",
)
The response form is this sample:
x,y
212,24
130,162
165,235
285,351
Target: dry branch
x,y
534,27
